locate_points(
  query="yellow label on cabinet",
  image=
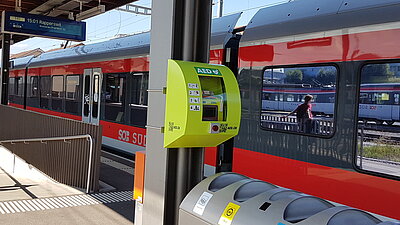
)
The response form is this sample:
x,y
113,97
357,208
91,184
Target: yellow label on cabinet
x,y
228,214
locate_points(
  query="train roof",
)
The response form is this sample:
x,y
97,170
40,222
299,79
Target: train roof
x,y
308,16
22,61
124,47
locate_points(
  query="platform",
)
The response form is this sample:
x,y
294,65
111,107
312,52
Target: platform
x,y
29,197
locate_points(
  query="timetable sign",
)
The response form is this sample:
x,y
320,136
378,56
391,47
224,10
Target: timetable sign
x,y
42,26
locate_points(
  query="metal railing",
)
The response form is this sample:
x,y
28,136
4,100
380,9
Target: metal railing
x,y
276,121
64,139
66,161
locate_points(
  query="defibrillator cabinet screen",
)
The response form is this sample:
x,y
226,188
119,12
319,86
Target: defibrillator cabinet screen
x,y
213,98
210,113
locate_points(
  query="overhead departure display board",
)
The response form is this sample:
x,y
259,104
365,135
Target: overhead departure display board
x,y
43,26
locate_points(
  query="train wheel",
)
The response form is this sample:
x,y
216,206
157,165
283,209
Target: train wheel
x,y
389,122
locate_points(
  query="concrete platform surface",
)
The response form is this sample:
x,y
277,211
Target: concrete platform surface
x,y
27,196
19,180
85,215
103,208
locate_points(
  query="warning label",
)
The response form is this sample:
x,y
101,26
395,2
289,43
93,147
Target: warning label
x,y
228,214
202,203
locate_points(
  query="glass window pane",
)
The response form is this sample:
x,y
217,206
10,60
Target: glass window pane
x,y
136,86
379,117
214,99
299,99
57,90
86,96
19,86
73,97
11,86
96,96
138,99
44,91
33,90
72,88
115,97
143,89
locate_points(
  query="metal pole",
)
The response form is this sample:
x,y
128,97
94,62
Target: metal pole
x,y
196,48
220,8
26,83
185,36
166,43
5,46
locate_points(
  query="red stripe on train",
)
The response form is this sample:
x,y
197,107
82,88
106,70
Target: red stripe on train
x,y
47,112
114,66
125,133
210,156
54,113
351,47
16,105
370,193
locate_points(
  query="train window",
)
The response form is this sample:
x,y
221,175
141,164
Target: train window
x,y
72,90
33,91
57,93
86,96
72,97
57,90
19,86
284,92
11,86
281,97
115,91
139,89
45,92
96,96
378,148
290,98
138,100
33,87
396,98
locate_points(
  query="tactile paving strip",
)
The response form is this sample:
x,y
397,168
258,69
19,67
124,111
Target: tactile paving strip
x,y
19,206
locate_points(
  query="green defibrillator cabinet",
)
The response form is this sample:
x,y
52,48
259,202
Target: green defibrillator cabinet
x,y
203,106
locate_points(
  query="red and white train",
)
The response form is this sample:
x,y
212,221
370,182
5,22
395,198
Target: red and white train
x,y
106,83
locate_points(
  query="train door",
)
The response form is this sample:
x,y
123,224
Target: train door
x,y
91,95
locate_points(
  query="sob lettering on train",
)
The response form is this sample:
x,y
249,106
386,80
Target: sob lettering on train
x,y
135,138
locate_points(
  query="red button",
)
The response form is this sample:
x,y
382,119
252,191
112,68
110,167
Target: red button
x,y
215,128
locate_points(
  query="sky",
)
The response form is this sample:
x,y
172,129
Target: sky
x,y
112,23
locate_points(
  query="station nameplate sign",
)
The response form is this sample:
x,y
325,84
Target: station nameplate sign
x,y
42,26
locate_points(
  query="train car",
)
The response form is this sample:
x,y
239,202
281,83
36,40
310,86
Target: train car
x,y
380,103
285,98
339,38
346,36
104,83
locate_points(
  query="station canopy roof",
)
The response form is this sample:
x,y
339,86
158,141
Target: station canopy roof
x,y
56,8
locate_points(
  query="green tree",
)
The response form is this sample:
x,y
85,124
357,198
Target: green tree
x,y
326,76
294,77
376,73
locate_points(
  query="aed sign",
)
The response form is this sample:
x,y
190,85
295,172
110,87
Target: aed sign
x,y
207,71
42,26
203,106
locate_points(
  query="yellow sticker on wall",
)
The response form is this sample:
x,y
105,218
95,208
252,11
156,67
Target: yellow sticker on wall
x,y
228,214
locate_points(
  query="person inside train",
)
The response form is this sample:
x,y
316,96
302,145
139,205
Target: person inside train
x,y
304,115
